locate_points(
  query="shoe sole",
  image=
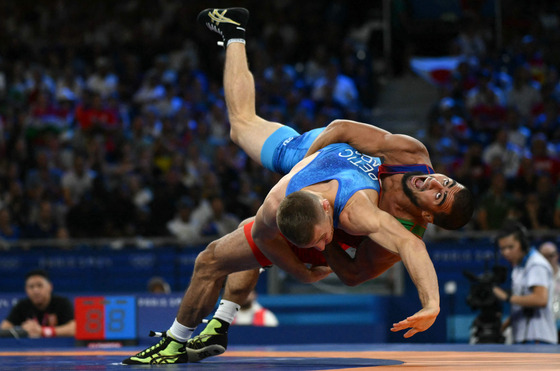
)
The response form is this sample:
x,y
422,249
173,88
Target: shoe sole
x,y
205,15
197,355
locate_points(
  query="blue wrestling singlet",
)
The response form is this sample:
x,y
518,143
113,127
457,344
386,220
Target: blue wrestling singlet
x,y
285,148
353,171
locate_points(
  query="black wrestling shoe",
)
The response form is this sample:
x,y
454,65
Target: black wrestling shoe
x,y
168,350
229,23
212,341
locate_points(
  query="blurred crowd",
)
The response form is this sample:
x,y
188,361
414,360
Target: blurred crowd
x,y
113,121
496,125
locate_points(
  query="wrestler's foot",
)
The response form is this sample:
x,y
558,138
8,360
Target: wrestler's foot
x,y
212,341
168,350
229,23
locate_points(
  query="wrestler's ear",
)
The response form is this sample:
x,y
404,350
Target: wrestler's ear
x,y
428,216
326,205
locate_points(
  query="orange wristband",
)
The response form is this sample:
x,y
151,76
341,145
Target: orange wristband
x,y
48,331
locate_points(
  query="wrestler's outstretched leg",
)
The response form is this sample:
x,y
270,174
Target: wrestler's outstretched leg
x,y
248,130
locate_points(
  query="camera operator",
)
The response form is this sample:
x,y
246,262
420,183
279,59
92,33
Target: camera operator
x,y
531,316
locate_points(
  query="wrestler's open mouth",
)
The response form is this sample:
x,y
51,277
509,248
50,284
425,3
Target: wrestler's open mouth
x,y
419,182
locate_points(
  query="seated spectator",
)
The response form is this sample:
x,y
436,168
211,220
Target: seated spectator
x,y
103,81
181,226
543,158
157,285
495,204
536,212
471,170
523,95
77,181
548,121
488,115
41,314
45,225
252,313
453,124
219,222
336,87
508,152
93,115
9,231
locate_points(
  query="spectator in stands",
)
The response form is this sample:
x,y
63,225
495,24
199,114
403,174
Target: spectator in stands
x,y
335,86
495,204
509,153
483,89
157,285
218,222
9,231
46,174
548,121
518,132
535,211
526,179
523,95
45,225
531,317
77,181
103,81
543,159
252,313
470,42
42,314
471,170
181,226
453,124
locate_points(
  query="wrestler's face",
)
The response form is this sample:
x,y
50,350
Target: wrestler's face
x,y
433,192
323,232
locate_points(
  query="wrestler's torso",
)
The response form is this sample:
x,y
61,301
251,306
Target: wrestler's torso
x,y
339,173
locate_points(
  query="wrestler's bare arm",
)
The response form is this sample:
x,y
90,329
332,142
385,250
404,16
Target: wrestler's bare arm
x,y
374,141
361,217
267,237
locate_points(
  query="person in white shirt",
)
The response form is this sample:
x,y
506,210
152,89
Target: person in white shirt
x,y
531,318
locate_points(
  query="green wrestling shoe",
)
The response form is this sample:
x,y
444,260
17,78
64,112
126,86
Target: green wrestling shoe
x,y
168,350
212,341
229,23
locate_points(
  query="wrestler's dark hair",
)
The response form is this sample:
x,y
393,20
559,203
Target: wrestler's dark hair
x,y
297,216
460,214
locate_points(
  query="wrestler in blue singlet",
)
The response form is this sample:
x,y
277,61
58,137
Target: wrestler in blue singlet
x,y
286,147
353,171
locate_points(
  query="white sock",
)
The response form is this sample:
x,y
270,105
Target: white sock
x,y
227,311
179,332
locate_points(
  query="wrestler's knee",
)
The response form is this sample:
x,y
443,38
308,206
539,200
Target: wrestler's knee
x,y
246,221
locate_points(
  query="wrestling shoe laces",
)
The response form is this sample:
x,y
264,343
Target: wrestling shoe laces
x,y
168,350
228,23
212,341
